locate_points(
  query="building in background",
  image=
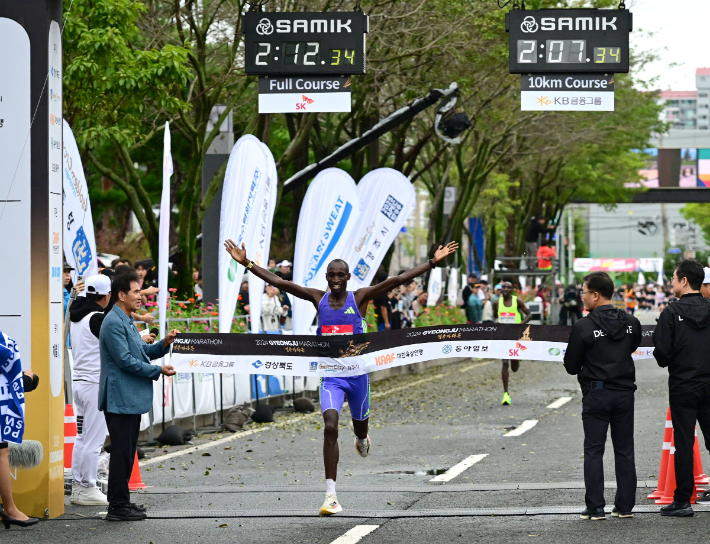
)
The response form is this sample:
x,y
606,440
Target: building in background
x,y
688,110
638,231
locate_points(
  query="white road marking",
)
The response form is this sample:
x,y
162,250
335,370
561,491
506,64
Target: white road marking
x,y
355,534
232,438
471,367
525,426
559,402
458,469
410,384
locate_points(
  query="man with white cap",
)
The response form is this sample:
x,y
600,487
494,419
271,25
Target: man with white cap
x,y
86,315
285,269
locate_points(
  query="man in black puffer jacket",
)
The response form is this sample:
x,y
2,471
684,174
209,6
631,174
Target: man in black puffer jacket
x,y
682,342
599,352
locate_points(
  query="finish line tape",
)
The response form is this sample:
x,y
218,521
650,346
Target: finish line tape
x,y
354,355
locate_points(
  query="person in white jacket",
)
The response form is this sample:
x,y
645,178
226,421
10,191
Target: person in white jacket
x,y
271,309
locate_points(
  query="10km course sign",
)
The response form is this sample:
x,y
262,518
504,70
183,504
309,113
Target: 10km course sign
x,y
567,92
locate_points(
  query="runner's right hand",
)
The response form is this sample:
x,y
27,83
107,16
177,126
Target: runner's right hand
x,y
237,253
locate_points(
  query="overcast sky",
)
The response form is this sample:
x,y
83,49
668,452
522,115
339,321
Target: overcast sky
x,y
681,34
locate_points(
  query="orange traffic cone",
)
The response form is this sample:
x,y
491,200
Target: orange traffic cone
x,y
136,482
670,484
700,477
665,451
669,491
69,434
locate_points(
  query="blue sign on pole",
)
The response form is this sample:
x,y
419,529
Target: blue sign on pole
x,y
674,250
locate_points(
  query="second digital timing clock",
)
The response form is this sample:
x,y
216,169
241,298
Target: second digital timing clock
x,y
569,40
305,43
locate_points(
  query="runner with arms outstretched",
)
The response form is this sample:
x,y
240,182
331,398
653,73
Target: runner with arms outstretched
x,y
340,312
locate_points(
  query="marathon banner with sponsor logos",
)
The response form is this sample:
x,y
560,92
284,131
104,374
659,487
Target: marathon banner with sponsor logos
x,y
364,353
329,213
79,240
387,199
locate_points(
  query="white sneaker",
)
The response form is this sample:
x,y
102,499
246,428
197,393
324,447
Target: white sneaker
x,y
330,505
89,496
363,446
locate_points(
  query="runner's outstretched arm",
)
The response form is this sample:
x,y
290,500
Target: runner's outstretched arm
x,y
366,294
305,293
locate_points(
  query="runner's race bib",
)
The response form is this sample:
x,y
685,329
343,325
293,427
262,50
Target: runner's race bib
x,y
506,318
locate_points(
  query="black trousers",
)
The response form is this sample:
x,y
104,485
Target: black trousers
x,y
602,408
686,408
123,430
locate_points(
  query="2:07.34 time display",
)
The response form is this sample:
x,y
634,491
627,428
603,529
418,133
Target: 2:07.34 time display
x,y
565,52
300,54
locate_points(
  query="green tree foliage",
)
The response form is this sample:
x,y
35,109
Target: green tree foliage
x,y
131,65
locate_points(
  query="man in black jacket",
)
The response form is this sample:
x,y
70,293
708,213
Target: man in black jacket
x,y
599,353
681,339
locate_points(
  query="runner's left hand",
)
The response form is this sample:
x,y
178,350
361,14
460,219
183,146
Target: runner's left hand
x,y
445,251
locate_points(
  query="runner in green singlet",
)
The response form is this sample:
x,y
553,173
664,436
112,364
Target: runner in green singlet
x,y
510,309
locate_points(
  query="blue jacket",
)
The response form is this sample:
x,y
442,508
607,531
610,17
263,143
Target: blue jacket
x,y
126,372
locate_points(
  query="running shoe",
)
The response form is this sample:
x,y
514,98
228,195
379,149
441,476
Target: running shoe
x,y
507,401
363,446
330,505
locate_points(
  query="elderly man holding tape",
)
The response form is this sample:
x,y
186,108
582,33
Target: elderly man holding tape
x,y
126,391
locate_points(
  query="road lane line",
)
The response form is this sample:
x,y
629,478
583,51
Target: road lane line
x,y
355,534
559,402
525,426
232,438
471,367
458,469
401,387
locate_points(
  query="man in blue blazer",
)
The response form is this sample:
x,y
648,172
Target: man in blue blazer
x,y
126,390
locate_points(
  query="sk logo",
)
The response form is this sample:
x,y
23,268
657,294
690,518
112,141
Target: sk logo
x,y
350,310
306,102
544,101
193,364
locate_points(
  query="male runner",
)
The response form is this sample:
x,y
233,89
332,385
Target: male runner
x,y
340,312
510,309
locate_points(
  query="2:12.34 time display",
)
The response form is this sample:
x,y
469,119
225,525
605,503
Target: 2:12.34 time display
x,y
301,54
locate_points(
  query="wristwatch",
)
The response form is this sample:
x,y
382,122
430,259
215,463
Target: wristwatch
x,y
431,263
250,265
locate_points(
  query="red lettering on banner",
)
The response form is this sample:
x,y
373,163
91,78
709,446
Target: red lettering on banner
x,y
513,353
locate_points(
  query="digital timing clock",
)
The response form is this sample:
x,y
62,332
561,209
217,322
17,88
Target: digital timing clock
x,y
305,43
569,40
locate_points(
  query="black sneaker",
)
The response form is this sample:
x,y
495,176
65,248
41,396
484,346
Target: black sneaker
x,y
594,515
124,513
677,509
616,513
704,498
138,507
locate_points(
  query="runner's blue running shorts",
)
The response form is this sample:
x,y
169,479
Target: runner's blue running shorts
x,y
334,391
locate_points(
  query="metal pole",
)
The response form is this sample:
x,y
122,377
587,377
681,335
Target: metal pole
x,y
221,400
194,405
68,392
570,246
562,272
